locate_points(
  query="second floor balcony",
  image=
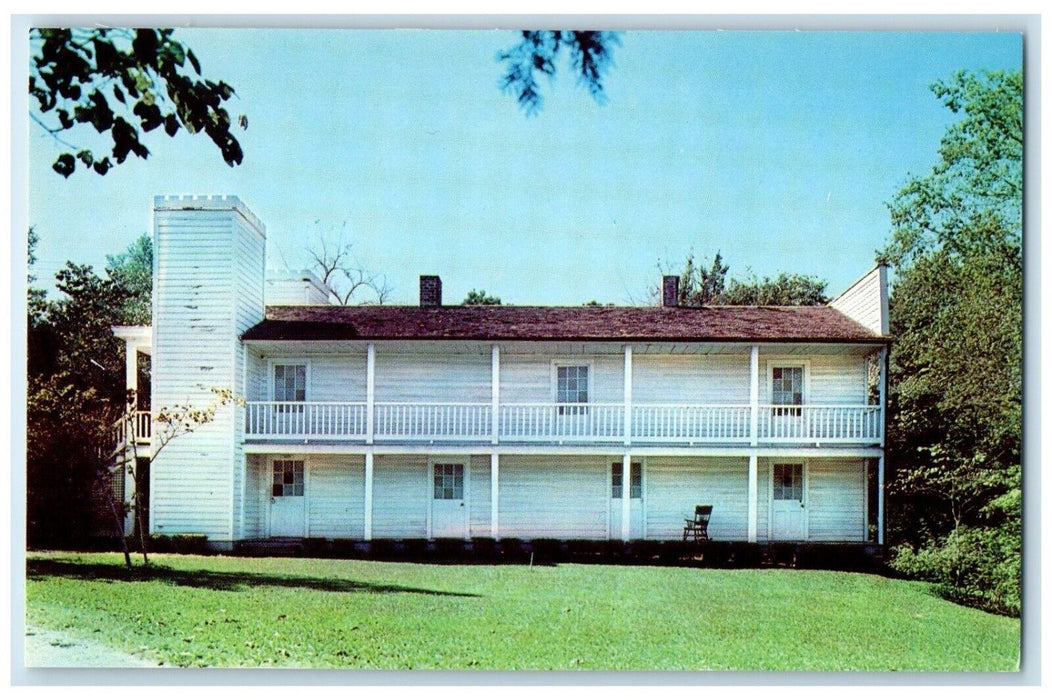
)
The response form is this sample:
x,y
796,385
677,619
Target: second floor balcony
x,y
563,423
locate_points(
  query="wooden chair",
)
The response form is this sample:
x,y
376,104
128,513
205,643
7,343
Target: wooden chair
x,y
697,527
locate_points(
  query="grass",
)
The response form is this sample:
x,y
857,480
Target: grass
x,y
238,612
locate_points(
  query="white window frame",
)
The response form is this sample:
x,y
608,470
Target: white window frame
x,y
291,361
571,362
641,480
783,362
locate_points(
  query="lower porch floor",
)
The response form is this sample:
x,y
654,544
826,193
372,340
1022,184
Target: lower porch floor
x,y
371,500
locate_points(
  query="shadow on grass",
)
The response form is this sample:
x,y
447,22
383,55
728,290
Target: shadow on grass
x,y
214,580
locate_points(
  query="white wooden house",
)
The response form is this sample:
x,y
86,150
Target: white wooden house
x,y
432,421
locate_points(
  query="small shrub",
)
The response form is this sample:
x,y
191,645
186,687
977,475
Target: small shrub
x,y
976,566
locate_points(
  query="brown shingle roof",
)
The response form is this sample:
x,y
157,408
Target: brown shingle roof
x,y
712,323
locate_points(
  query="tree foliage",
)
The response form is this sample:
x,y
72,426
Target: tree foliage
x,y
955,414
478,297
709,286
590,55
76,394
123,83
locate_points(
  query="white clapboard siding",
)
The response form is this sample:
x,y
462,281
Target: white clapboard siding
x,y
831,379
208,289
676,484
690,379
256,482
338,378
836,500
479,496
337,496
433,378
554,496
866,301
256,376
400,496
528,378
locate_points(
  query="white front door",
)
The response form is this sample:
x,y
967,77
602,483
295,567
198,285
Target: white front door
x,y
288,509
635,528
449,512
788,507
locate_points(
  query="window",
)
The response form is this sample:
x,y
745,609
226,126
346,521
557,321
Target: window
x,y
571,386
787,389
288,478
290,384
617,480
449,482
788,482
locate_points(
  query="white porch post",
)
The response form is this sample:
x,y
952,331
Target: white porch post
x,y
754,395
494,495
368,495
628,395
626,497
495,383
128,432
370,391
880,499
882,381
753,492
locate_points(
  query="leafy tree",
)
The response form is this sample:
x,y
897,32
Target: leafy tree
x,y
590,55
955,412
709,286
75,395
480,298
132,272
123,83
784,290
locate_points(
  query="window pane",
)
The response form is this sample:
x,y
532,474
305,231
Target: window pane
x,y
571,385
636,488
290,382
616,481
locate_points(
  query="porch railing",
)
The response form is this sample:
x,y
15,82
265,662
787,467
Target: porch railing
x,y
562,422
303,419
141,424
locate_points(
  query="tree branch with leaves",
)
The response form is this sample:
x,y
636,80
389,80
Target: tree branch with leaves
x,y
123,83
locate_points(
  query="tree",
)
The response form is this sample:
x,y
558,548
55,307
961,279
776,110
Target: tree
x,y
349,281
709,286
955,413
75,397
132,272
590,55
123,83
480,298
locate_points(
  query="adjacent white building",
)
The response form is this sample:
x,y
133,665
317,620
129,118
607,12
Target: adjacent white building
x,y
434,421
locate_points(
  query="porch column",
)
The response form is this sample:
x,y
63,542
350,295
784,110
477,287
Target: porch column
x,y
130,467
368,495
882,381
370,391
494,495
754,395
753,490
495,383
628,394
880,499
626,497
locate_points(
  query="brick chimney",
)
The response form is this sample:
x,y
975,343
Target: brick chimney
x,y
430,290
670,290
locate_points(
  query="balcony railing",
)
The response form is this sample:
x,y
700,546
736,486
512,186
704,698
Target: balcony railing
x,y
137,429
567,422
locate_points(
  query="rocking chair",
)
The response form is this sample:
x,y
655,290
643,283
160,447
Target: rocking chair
x,y
698,527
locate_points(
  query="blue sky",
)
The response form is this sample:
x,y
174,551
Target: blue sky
x,y
778,149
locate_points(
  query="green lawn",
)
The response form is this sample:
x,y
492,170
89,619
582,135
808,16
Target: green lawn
x,y
235,612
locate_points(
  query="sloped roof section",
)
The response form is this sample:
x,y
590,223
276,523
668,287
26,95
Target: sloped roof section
x,y
712,323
